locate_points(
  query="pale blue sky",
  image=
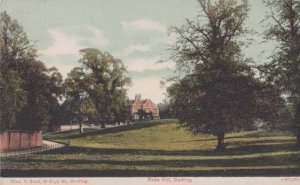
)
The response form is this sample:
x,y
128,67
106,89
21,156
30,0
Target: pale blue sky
x,y
133,30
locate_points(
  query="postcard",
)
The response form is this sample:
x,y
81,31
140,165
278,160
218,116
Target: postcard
x,y
149,92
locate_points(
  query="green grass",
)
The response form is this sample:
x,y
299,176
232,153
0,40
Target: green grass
x,y
160,148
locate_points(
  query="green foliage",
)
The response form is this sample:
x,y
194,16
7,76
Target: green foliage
x,y
219,93
121,108
222,106
144,115
13,41
100,83
42,85
44,89
12,99
284,68
68,108
165,110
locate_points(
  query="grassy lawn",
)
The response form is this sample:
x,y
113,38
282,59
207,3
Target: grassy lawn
x,y
160,148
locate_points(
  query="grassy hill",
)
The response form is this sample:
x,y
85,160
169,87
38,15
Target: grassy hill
x,y
160,148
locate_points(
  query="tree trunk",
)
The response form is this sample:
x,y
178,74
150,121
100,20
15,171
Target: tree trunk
x,y
221,145
103,125
80,127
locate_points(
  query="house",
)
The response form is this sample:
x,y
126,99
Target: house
x,y
143,109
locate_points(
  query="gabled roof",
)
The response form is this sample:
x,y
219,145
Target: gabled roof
x,y
141,102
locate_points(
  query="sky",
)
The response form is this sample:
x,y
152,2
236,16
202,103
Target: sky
x,y
136,31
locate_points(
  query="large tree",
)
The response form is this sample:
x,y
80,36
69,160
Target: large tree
x,y
100,79
78,102
13,46
284,68
219,92
40,84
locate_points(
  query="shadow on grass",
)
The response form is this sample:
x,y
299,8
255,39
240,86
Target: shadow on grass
x,y
242,150
239,137
263,141
265,161
148,173
278,160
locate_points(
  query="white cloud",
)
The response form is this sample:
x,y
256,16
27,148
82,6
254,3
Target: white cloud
x,y
145,25
142,64
134,48
148,87
65,43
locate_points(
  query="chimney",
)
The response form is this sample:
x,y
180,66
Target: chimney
x,y
138,97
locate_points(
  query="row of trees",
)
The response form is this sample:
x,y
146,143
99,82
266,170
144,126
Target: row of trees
x,y
30,92
221,91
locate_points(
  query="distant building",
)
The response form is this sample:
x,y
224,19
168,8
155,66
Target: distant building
x,y
143,109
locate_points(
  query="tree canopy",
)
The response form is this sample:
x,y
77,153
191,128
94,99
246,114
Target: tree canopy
x,y
101,80
284,68
219,92
29,90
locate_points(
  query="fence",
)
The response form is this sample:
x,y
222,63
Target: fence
x,y
13,140
47,145
68,127
63,128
